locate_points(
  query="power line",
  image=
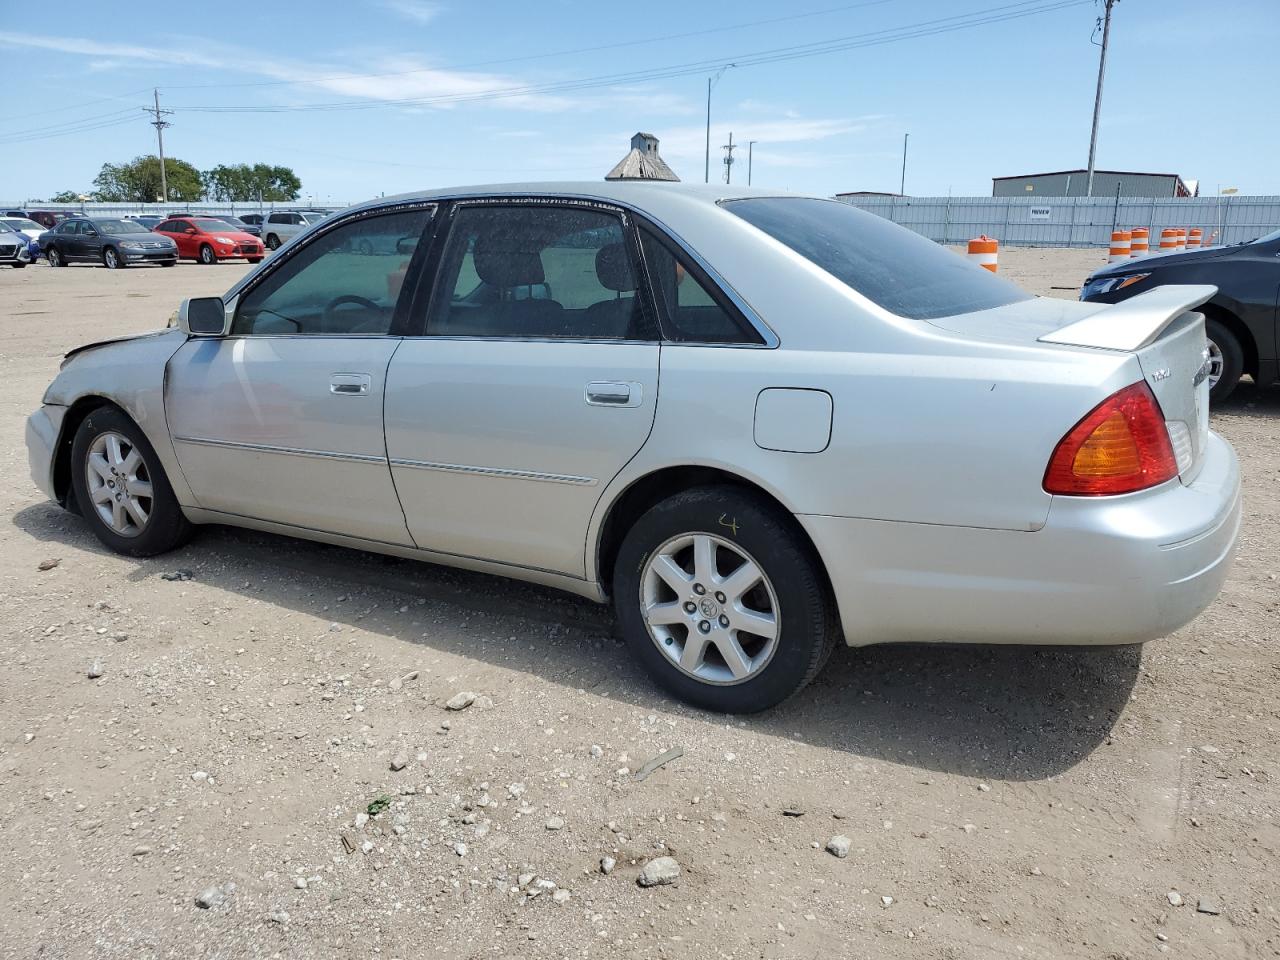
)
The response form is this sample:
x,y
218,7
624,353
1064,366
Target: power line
x,y
544,56
1000,14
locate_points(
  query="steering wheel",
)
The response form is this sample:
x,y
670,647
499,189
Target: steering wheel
x,y
331,308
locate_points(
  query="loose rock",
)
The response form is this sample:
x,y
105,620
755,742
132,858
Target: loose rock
x,y
460,701
1175,898
838,846
607,864
48,564
658,872
95,671
555,823
209,897
400,760
1209,906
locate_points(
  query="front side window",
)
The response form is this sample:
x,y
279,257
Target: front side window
x,y
169,226
68,226
535,271
691,313
278,218
328,289
903,272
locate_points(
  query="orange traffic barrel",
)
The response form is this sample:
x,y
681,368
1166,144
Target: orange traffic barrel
x,y
1195,238
1120,241
1168,240
984,251
1140,243
1182,239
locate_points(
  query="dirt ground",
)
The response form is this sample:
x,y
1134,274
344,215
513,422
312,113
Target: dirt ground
x,y
1006,803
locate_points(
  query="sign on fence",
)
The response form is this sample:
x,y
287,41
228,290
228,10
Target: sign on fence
x,y
1040,213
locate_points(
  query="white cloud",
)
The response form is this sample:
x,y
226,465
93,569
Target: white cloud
x,y
419,11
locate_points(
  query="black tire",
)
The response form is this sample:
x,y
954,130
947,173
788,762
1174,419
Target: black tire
x,y
273,242
168,263
807,624
111,258
54,256
1232,359
18,265
166,526
207,256
254,259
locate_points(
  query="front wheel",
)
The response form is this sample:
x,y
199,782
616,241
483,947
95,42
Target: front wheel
x,y
722,600
273,242
110,259
207,256
18,265
54,256
121,488
254,259
1226,360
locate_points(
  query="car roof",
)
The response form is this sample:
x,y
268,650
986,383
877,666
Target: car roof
x,y
654,196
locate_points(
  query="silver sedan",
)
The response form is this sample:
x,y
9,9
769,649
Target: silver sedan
x,y
760,424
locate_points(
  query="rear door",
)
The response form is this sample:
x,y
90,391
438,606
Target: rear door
x,y
282,419
533,383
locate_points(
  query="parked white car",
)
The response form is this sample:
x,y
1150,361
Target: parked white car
x,y
281,226
760,424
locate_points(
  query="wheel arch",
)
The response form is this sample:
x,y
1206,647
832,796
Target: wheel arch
x,y
75,416
651,488
1231,320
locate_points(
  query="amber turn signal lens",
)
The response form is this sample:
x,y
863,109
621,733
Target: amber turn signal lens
x,y
1121,446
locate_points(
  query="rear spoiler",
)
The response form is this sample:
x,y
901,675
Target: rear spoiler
x,y
1133,323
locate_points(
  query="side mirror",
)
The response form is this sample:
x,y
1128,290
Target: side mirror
x,y
203,317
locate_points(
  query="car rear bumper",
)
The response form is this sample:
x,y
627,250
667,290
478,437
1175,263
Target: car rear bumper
x,y
43,429
1101,571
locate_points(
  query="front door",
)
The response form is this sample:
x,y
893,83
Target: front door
x,y
534,383
282,419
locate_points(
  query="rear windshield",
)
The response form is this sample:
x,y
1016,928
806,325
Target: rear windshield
x,y
901,271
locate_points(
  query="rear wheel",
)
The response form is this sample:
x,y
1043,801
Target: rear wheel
x,y
111,259
207,256
1226,360
168,263
121,488
54,256
722,601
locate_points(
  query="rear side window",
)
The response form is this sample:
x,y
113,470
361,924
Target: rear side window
x,y
901,271
691,311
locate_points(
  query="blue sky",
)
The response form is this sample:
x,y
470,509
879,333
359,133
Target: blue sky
x,y
1190,89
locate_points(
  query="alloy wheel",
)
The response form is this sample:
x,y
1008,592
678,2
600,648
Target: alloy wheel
x,y
1215,364
119,483
710,608
110,258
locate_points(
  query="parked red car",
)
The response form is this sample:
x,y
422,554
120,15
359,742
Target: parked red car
x,y
208,240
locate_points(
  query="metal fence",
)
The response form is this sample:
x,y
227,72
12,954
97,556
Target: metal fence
x,y
1074,221
164,209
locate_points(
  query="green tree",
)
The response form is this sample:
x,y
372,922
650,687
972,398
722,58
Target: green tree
x,y
243,183
66,196
139,181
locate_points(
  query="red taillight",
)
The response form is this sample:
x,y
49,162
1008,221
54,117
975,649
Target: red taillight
x,y
1122,445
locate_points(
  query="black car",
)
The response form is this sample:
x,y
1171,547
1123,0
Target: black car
x,y
1241,320
244,226
106,240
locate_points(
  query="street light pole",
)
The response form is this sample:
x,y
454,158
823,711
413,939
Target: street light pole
x,y
711,82
902,186
750,144
1097,99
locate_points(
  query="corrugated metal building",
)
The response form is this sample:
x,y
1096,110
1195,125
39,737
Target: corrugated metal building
x,y
1075,183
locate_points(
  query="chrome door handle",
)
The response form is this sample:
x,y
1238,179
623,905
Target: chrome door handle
x,y
350,384
614,393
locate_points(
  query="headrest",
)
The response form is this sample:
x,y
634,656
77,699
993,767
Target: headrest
x,y
613,268
501,261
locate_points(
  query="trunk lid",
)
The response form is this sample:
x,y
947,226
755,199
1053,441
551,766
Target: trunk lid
x,y
1157,326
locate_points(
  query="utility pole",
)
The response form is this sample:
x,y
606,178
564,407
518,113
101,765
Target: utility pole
x,y
160,124
728,159
1097,99
902,186
750,145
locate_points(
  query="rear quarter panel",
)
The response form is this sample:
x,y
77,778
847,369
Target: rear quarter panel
x,y
948,433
